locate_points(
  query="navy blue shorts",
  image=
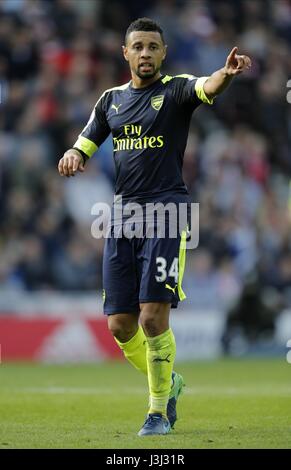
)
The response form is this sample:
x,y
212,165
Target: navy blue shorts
x,y
140,270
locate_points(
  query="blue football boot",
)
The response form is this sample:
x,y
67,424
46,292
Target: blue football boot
x,y
155,424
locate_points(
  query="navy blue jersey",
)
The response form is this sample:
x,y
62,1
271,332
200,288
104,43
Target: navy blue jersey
x,y
149,128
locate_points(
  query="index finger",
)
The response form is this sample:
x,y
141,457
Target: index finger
x,y
232,53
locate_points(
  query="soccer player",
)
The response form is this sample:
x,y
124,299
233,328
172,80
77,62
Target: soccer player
x,y
149,120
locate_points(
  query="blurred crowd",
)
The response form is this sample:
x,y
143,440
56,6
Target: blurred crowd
x,y
58,56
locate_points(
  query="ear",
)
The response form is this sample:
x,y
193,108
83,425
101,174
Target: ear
x,y
125,52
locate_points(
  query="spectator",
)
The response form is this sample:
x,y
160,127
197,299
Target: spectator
x,y
56,58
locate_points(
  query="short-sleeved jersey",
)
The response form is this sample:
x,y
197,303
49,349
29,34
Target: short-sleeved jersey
x,y
149,128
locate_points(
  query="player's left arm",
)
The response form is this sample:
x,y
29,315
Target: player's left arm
x,y
219,80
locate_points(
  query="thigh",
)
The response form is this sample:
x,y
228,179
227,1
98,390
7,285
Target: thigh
x,y
120,280
162,261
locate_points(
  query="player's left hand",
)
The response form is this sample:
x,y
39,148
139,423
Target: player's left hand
x,y
236,64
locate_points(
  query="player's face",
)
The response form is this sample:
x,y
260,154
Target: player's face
x,y
145,53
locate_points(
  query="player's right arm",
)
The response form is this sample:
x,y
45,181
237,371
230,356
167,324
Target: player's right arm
x,y
91,137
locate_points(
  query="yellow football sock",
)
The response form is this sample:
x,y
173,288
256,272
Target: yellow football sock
x,y
135,350
161,352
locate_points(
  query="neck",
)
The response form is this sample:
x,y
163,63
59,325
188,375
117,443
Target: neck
x,y
138,82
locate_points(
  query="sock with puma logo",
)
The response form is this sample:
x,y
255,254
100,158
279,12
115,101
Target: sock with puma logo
x,y
161,352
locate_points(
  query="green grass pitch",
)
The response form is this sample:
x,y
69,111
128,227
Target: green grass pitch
x,y
226,404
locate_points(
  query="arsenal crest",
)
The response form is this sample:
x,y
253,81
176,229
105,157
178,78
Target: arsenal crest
x,y
157,101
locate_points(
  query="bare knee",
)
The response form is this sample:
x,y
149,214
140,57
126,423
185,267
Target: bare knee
x,y
150,325
123,326
154,318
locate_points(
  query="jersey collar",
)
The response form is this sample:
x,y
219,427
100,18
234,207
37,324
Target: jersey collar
x,y
146,88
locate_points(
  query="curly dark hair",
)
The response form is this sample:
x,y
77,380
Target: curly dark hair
x,y
144,24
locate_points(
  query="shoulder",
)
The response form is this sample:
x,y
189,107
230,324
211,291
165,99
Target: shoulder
x,y
179,84
185,86
178,79
110,92
116,89
180,87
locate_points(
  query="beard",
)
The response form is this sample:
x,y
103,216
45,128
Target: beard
x,y
149,74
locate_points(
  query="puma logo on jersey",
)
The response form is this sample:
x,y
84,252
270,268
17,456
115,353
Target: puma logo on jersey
x,y
116,107
159,359
171,288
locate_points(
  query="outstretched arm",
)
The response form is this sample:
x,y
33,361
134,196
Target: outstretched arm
x,y
219,80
